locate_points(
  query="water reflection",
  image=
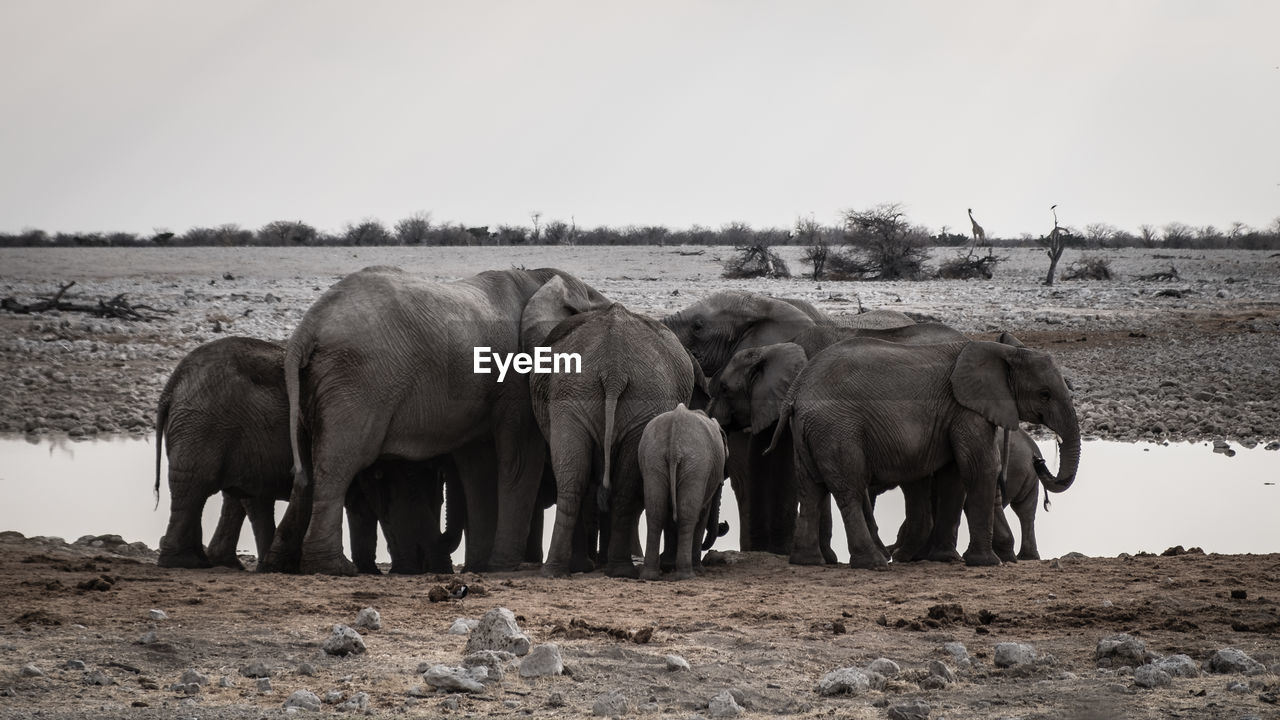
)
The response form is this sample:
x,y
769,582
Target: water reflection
x,y
1127,498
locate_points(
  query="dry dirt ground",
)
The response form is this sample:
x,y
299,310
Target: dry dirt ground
x,y
1198,363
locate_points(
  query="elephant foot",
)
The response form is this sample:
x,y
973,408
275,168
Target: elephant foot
x,y
554,570
1029,555
581,565
327,565
685,575
904,555
981,558
650,573
1007,556
277,561
807,557
874,561
944,555
829,556
622,570
190,560
232,562
375,570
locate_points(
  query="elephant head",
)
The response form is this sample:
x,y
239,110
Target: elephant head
x,y
553,303
1006,384
716,327
751,387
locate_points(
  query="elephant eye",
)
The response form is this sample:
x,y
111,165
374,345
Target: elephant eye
x,y
1045,394
697,323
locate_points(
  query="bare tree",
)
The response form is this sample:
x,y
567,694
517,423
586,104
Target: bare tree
x,y
1054,244
893,249
1148,234
809,233
415,229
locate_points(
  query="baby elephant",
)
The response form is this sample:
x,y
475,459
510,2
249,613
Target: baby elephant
x,y
682,454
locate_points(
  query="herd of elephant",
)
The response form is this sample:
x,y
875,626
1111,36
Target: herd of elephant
x,y
375,407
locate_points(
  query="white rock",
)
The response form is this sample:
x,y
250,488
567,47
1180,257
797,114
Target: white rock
x,y
1150,676
456,679
1009,654
303,700
157,615
498,630
1231,660
885,667
463,626
344,641
610,704
850,681
1179,666
369,619
675,663
542,660
724,706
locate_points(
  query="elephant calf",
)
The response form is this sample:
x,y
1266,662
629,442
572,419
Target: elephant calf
x,y
682,455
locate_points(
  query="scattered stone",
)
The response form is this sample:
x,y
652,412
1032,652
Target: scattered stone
x,y
157,615
1179,666
256,669
1123,649
368,619
885,667
675,663
1231,660
226,682
933,682
845,681
1009,654
495,662
358,703
450,703
306,668
1237,687
74,665
302,700
333,697
463,626
724,706
1056,564
149,638
263,685
97,677
30,670
194,676
937,668
914,710
456,678
1150,676
610,704
497,630
555,700
542,661
958,652
185,688
344,641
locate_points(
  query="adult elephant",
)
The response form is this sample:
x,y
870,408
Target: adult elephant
x,y
223,421
714,329
865,413
387,363
632,370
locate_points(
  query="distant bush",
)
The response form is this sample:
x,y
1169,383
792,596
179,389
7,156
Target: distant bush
x,y
368,232
286,233
1092,267
969,266
414,230
889,246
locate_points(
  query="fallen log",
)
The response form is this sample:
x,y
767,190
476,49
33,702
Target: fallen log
x,y
117,307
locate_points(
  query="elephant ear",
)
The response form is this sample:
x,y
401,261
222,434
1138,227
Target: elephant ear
x,y
770,321
980,382
769,379
553,303
1008,339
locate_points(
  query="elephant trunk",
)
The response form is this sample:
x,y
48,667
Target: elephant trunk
x,y
1069,452
455,512
713,520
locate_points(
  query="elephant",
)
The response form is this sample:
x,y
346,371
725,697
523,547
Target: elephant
x,y
715,328
865,413
223,420
386,363
682,454
392,492
632,370
746,395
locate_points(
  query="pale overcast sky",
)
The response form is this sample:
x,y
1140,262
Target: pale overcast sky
x,y
160,114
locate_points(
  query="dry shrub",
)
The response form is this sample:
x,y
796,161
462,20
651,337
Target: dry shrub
x,y
755,261
969,266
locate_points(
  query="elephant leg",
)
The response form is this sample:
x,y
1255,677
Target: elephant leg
x,y
979,463
628,501
571,460
1002,537
869,515
362,526
825,526
948,508
222,547
670,547
1026,512
521,455
805,548
338,455
655,513
687,531
477,473
285,554
737,467
779,489
863,551
182,546
262,518
533,545
913,536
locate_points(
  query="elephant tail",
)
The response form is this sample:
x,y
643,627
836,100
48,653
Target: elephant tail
x,y
296,354
613,387
162,419
673,469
